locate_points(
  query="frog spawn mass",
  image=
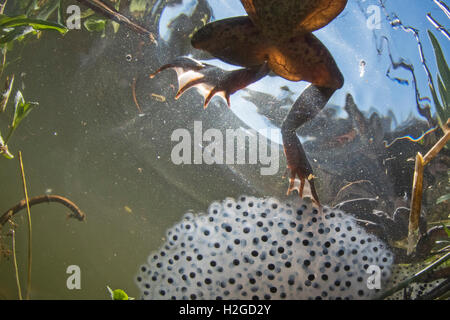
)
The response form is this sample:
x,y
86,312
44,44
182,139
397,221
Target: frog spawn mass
x,y
260,248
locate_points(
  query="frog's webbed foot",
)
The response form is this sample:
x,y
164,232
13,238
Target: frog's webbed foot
x,y
298,167
211,80
310,102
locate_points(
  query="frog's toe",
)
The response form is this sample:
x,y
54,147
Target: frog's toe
x,y
299,169
210,80
181,65
297,181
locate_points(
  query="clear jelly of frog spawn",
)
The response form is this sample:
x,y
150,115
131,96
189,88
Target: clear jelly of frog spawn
x,y
260,248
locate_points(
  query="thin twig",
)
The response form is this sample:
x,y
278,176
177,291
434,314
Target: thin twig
x,y
133,91
76,212
439,145
15,264
22,171
112,14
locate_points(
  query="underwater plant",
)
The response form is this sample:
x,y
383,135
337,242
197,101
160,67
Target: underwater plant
x,y
12,30
442,103
118,294
27,203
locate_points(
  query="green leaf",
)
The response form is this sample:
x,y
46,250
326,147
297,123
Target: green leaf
x,y
118,294
95,24
138,5
440,111
5,95
447,230
444,70
443,80
5,19
32,6
115,26
36,24
16,34
445,98
4,149
21,110
48,8
443,198
87,13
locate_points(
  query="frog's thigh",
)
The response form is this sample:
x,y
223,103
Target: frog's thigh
x,y
234,40
305,58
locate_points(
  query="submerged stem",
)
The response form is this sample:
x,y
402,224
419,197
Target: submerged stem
x,y
416,204
112,14
15,264
29,225
417,190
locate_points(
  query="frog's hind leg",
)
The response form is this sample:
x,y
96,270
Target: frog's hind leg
x,y
211,80
310,102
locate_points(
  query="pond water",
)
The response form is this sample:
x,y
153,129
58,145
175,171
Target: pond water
x,y
102,134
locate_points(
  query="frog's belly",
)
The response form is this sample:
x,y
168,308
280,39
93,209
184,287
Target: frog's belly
x,y
234,40
237,41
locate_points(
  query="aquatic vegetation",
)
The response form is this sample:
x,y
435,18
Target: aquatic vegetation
x,y
445,197
118,294
416,199
443,80
27,203
13,29
16,28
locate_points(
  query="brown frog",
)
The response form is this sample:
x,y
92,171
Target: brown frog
x,y
276,36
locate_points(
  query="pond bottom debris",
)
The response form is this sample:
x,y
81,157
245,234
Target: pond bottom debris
x,y
261,248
